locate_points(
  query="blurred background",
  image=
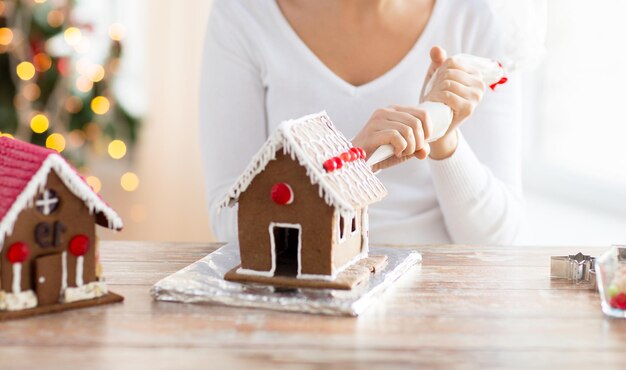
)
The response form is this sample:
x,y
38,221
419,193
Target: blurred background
x,y
113,84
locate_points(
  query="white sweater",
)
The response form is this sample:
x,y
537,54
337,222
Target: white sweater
x,y
257,73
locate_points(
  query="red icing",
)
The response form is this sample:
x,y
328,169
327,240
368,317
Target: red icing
x,y
282,193
503,80
18,252
79,245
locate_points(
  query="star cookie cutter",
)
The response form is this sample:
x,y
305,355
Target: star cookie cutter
x,y
578,268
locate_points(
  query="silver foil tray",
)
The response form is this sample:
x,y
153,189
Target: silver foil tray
x,y
203,282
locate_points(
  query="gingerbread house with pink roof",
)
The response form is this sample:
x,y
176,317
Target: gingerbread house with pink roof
x,y
48,213
302,216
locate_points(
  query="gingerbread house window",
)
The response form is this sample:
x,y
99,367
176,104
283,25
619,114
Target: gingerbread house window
x,y
353,225
47,202
341,229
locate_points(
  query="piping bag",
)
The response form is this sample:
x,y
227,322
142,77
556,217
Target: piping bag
x,y
440,114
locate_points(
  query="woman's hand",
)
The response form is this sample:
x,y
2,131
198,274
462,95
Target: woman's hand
x,y
405,128
458,86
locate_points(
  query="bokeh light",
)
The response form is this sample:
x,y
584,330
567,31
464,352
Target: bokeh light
x,y
40,1
42,62
117,31
129,181
6,36
56,142
39,123
83,84
6,134
73,104
55,18
72,36
31,91
25,71
96,73
76,138
95,183
100,105
117,149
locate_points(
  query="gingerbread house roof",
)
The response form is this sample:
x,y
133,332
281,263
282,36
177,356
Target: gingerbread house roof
x,y
312,140
24,170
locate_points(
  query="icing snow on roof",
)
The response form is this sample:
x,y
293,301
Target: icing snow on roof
x,y
24,170
311,140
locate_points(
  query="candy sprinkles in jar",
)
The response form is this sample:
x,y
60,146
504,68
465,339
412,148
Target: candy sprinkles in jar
x,y
611,275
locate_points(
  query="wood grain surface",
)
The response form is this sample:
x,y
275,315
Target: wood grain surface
x,y
464,308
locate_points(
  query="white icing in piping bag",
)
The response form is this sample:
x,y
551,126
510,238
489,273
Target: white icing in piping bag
x,y
440,114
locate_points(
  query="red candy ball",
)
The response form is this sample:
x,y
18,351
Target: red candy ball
x,y
282,193
355,153
18,252
619,301
79,245
330,165
346,157
338,162
362,153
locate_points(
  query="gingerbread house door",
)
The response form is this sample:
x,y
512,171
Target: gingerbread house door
x,y
286,242
48,274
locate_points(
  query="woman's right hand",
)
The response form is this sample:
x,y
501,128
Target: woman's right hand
x,y
405,128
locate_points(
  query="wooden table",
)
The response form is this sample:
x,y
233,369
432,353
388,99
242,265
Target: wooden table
x,y
465,307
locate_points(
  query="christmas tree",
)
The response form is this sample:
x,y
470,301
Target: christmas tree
x,y
53,91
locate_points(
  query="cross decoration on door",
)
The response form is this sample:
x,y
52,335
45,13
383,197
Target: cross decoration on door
x,y
47,202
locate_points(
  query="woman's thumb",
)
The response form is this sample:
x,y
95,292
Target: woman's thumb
x,y
437,55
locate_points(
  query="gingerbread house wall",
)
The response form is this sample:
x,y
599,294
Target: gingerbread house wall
x,y
76,218
257,211
351,245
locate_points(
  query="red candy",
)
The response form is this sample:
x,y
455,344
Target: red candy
x,y
79,245
18,252
338,162
619,301
330,165
282,194
346,157
362,153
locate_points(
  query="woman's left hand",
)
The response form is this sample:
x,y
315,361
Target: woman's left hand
x,y
458,86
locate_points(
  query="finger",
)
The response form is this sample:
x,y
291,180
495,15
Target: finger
x,y
421,114
390,136
452,100
456,63
462,77
414,135
423,153
437,59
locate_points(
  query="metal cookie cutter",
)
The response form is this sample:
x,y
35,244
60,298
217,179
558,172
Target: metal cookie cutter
x,y
578,268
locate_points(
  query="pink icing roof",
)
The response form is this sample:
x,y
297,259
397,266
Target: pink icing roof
x,y
24,168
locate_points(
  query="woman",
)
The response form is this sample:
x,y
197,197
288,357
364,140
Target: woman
x,y
364,62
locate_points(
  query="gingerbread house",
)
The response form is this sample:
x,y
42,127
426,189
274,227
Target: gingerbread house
x,y
302,217
48,213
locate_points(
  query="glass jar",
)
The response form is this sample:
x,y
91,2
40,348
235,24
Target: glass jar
x,y
611,276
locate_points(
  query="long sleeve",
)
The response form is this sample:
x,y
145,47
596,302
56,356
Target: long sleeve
x,y
232,111
479,187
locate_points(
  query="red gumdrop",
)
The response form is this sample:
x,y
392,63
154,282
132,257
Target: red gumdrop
x,y
18,252
346,157
338,162
355,154
79,245
361,152
619,301
330,165
282,193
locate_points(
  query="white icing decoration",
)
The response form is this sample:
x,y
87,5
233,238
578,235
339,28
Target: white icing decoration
x,y
42,280
63,271
88,291
46,202
72,181
311,140
79,270
17,301
17,278
365,227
